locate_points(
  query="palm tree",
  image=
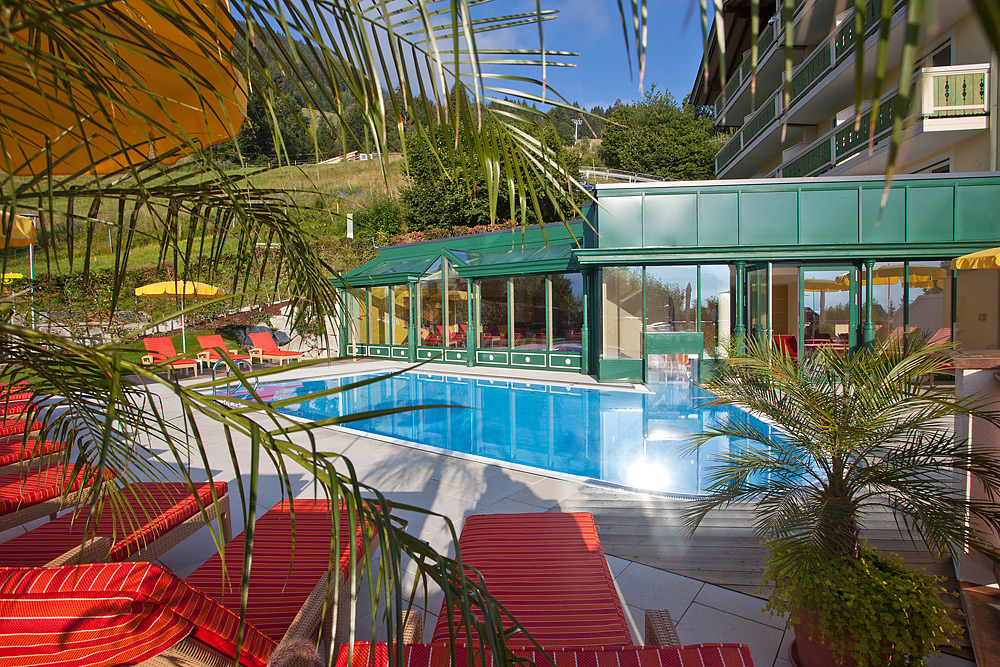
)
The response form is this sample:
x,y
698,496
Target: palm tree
x,y
824,444
93,139
827,439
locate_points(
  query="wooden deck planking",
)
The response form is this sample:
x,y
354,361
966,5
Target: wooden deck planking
x,y
724,550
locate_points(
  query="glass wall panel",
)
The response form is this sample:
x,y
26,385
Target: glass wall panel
x,y
361,303
493,312
621,312
400,315
380,316
458,308
529,313
671,298
826,307
888,313
978,326
567,312
717,286
431,308
928,305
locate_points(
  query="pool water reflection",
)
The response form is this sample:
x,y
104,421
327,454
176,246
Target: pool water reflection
x,y
626,437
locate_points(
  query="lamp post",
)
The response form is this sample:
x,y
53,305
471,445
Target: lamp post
x,y
576,128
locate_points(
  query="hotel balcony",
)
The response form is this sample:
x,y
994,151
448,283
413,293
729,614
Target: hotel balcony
x,y
821,84
952,105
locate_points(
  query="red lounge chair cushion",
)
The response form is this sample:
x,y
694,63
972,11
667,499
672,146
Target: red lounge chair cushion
x,y
9,427
160,346
212,343
17,450
285,568
110,614
437,655
30,486
147,511
549,571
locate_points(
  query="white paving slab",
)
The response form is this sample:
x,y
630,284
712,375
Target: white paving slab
x,y
705,624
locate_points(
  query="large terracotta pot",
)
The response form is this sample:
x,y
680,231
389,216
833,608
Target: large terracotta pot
x,y
805,652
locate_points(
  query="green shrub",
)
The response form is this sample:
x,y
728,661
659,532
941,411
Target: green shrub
x,y
874,600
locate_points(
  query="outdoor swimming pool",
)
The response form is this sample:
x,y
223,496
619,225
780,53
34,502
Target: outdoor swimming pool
x,y
626,437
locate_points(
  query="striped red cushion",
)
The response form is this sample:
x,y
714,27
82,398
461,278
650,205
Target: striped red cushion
x,y
10,427
145,511
12,408
549,571
286,565
34,485
438,655
109,614
16,450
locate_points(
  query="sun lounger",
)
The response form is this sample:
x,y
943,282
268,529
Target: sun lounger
x,y
151,519
161,352
550,572
17,453
109,614
365,654
33,493
265,349
210,346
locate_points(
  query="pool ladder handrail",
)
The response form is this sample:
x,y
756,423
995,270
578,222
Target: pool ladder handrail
x,y
229,370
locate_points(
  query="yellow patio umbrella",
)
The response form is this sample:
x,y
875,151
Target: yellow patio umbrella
x,y
890,274
158,87
8,278
22,234
186,289
824,285
984,259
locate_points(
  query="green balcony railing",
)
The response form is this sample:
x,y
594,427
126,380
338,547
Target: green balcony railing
x,y
811,71
845,40
849,139
955,91
760,120
814,161
728,152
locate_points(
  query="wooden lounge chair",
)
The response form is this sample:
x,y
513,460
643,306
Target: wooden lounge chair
x,y
265,349
32,493
161,352
365,654
138,613
152,518
550,572
210,346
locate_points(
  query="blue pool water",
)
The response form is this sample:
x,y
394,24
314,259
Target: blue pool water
x,y
632,438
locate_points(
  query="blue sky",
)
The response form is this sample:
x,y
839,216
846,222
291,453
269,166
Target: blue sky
x,y
593,29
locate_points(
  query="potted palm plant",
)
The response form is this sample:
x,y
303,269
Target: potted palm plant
x,y
848,437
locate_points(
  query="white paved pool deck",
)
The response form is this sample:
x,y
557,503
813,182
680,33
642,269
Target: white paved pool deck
x,y
458,487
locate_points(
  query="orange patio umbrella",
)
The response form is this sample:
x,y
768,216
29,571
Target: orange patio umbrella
x,y
155,88
185,289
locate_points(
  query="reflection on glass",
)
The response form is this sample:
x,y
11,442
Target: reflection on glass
x,y
458,309
358,304
827,307
529,313
671,298
380,315
621,312
716,306
926,299
567,312
400,315
431,310
493,312
759,302
888,313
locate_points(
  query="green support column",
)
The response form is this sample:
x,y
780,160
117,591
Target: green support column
x,y
588,282
868,331
471,330
740,330
341,319
411,338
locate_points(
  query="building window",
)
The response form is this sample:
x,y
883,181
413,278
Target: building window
x,y
671,298
400,315
380,314
357,309
458,308
621,312
715,303
431,306
529,313
493,312
567,312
